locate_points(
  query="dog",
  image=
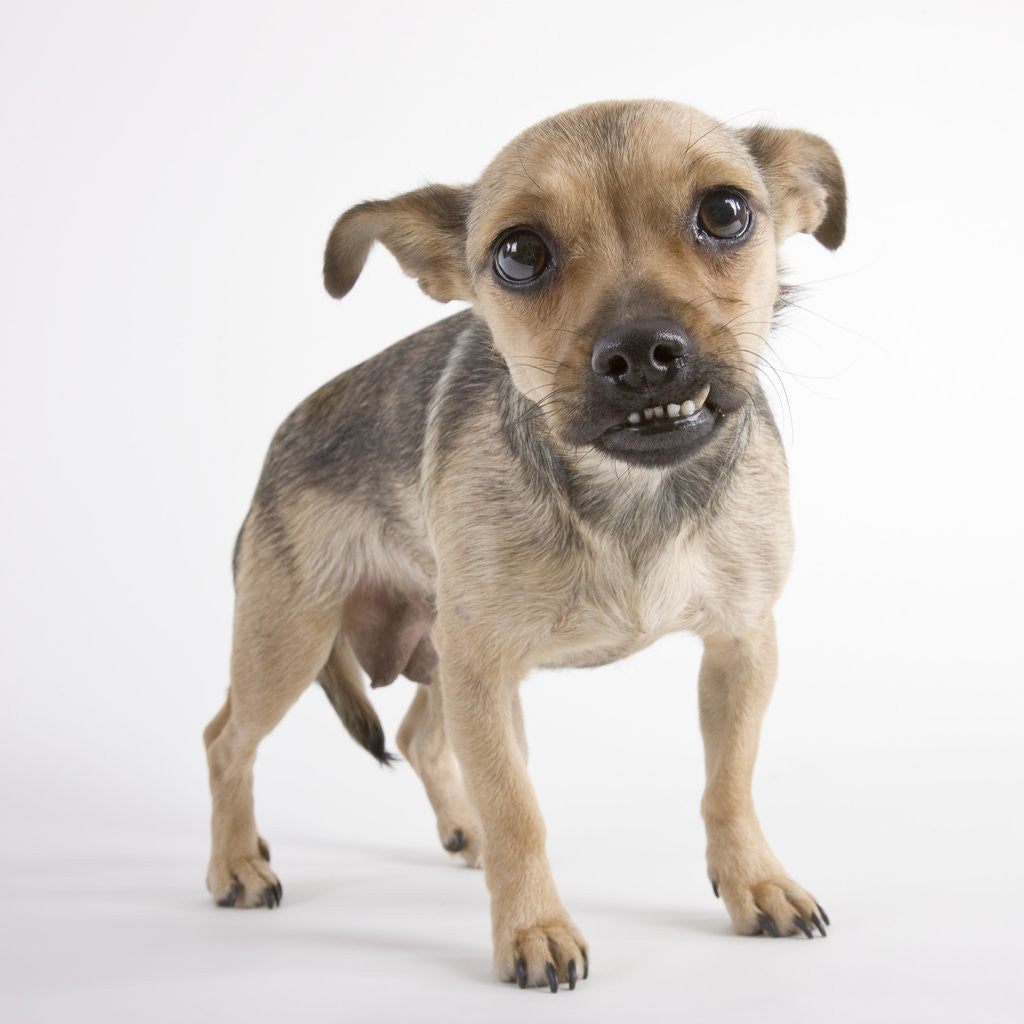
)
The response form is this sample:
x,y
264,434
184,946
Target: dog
x,y
576,465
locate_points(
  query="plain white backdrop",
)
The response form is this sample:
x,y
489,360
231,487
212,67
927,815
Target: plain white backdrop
x,y
169,176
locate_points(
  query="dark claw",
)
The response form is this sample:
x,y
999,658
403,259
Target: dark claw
x,y
586,966
816,921
231,897
521,973
767,925
714,888
549,970
824,916
572,975
803,926
456,842
264,850
274,893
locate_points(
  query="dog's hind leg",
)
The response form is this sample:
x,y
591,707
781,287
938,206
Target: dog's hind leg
x,y
422,740
281,641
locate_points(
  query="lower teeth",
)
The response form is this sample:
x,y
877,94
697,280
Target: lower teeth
x,y
683,412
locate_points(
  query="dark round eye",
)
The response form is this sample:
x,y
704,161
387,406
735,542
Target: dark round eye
x,y
724,214
520,256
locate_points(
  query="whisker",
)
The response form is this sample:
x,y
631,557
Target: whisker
x,y
821,316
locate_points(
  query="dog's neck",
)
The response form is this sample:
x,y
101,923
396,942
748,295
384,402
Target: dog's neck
x,y
640,506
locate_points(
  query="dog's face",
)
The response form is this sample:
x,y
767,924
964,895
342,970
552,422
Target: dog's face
x,y
624,256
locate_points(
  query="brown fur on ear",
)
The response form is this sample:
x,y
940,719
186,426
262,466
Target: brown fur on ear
x,y
425,231
805,179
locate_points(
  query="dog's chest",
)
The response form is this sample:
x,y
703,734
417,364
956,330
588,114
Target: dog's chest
x,y
615,607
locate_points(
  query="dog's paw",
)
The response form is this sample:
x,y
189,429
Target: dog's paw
x,y
544,955
772,905
463,841
244,881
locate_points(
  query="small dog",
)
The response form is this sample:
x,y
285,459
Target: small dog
x,y
578,464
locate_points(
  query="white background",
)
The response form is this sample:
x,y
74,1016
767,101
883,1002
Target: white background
x,y
169,175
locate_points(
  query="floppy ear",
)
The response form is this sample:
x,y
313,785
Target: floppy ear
x,y
805,180
425,231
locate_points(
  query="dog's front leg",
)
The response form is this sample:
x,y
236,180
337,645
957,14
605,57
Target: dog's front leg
x,y
736,680
535,941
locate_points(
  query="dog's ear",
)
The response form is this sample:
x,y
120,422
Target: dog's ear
x,y
425,231
805,180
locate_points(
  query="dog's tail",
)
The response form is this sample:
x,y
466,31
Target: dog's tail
x,y
342,681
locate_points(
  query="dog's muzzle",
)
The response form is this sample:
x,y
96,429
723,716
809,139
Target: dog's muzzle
x,y
648,371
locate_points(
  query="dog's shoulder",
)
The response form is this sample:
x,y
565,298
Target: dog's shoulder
x,y
743,552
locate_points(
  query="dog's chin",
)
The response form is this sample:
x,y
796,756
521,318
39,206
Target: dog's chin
x,y
661,442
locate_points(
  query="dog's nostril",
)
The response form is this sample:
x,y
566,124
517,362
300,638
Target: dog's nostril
x,y
639,354
617,366
664,354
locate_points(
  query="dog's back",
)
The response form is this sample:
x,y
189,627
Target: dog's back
x,y
361,435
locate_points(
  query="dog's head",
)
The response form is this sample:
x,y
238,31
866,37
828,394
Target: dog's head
x,y
624,256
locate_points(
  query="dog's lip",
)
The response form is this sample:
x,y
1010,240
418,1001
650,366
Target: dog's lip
x,y
662,434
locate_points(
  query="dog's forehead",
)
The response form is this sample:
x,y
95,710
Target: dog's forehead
x,y
607,156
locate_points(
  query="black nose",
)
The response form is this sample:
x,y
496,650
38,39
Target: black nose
x,y
639,355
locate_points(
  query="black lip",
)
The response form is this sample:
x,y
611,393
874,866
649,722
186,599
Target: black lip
x,y
663,441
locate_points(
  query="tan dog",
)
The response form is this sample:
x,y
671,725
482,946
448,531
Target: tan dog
x,y
575,466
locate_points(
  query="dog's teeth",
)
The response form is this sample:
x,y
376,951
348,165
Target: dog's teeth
x,y
634,417
672,409
648,414
688,408
702,396
658,411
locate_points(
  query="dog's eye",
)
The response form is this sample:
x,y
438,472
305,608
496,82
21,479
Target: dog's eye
x,y
520,256
724,214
